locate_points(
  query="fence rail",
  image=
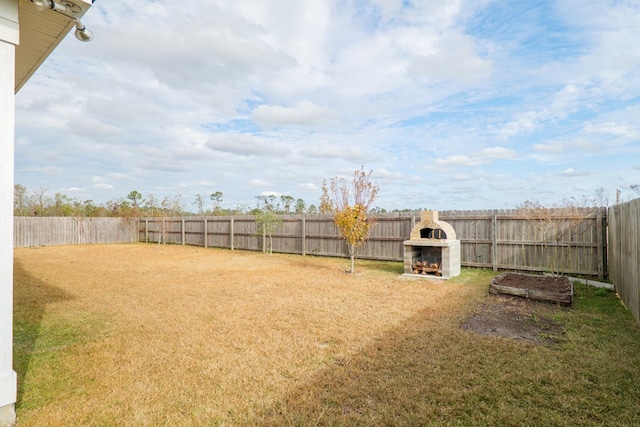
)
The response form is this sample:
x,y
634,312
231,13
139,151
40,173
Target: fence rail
x,y
624,253
499,239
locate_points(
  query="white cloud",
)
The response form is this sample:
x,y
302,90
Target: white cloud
x,y
308,186
551,146
388,175
487,155
571,173
454,59
43,170
245,145
460,160
626,131
461,177
498,153
330,151
103,186
523,123
562,146
259,183
304,114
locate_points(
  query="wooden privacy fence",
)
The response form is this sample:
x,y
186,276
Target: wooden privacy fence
x,y
498,239
50,231
624,253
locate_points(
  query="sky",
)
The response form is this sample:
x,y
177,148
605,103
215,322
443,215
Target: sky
x,y
452,104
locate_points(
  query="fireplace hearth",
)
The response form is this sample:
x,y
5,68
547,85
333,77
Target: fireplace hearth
x,y
432,250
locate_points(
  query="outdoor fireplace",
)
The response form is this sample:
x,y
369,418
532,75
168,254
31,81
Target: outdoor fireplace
x,y
432,249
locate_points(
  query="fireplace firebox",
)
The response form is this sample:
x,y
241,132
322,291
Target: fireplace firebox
x,y
432,250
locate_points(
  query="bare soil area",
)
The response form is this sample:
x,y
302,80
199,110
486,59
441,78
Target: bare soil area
x,y
521,318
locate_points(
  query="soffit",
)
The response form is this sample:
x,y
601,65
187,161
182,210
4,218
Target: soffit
x,y
40,34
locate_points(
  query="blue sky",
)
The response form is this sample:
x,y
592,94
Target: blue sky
x,y
452,104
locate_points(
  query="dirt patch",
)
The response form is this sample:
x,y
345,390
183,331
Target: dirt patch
x,y
519,319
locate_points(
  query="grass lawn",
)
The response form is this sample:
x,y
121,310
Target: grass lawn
x,y
148,335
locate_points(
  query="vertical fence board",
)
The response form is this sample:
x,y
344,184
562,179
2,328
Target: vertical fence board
x,y
624,253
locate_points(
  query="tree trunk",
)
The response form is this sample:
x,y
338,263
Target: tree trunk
x,y
352,254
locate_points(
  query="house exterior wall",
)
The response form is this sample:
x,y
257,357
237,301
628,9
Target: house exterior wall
x,y
9,36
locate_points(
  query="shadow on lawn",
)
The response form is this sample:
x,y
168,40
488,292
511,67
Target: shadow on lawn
x,y
428,371
410,376
31,296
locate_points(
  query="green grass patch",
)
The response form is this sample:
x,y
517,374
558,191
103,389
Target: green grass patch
x,y
44,356
392,267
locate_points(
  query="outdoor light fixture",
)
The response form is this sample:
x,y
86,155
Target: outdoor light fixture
x,y
48,4
82,33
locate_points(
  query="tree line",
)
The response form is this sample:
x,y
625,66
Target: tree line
x,y
41,202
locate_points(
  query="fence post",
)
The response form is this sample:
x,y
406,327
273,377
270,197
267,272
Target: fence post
x,y
494,242
146,231
600,249
183,232
231,237
304,236
205,232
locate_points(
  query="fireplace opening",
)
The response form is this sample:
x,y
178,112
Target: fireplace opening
x,y
430,254
427,261
432,233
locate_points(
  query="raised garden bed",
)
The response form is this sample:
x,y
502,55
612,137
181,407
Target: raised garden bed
x,y
558,289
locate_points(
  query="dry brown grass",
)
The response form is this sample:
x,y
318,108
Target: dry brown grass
x,y
191,336
148,335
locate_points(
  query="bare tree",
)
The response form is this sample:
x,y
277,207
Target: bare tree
x,y
199,204
555,222
216,198
19,199
39,202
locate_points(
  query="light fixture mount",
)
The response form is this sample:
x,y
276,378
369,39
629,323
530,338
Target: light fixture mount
x,y
69,9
